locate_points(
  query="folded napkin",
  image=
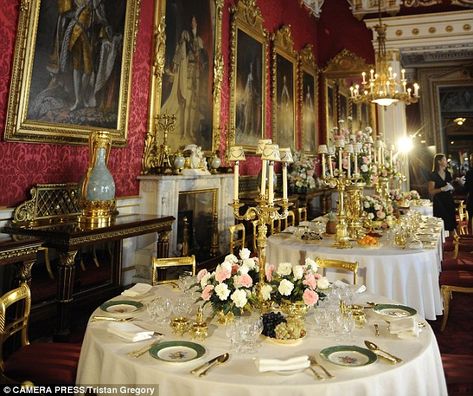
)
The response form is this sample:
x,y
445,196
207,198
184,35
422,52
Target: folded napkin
x,y
341,284
129,331
404,327
137,290
296,363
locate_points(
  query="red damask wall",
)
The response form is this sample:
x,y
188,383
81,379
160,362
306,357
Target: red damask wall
x,y
23,165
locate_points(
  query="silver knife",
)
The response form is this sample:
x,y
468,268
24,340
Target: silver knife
x,y
206,364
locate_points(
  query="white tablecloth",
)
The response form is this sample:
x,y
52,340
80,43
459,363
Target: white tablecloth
x,y
104,360
426,210
408,276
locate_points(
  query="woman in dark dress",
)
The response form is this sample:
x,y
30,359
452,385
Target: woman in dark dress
x,y
440,189
468,187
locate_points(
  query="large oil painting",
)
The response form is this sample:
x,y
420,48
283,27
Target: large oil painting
x,y
187,79
284,89
308,88
247,80
73,74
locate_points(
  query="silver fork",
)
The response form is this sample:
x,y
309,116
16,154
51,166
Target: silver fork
x,y
313,362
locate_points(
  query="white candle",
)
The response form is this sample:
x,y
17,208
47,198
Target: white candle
x,y
263,178
270,182
235,181
349,164
284,180
330,165
323,166
340,160
364,77
356,163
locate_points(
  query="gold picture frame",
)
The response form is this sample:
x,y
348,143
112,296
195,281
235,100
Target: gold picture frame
x,y
284,88
249,43
66,81
308,99
174,25
341,72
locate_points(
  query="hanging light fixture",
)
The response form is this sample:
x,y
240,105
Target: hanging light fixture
x,y
383,86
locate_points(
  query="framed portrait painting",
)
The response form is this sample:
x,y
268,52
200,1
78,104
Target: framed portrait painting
x,y
308,88
248,65
284,72
190,78
71,71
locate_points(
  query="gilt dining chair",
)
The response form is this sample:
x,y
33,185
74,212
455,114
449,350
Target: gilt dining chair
x,y
38,362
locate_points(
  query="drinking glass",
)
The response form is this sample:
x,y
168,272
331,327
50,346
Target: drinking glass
x,y
163,309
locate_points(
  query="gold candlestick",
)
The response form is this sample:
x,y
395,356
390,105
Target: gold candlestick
x,y
355,210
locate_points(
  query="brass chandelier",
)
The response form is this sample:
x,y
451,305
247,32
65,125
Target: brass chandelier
x,y
384,87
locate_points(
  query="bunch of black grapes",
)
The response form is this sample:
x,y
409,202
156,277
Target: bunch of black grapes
x,y
270,321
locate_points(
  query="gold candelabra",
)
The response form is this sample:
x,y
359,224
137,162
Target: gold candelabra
x,y
265,211
355,209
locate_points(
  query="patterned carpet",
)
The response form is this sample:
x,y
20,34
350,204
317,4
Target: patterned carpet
x,y
458,335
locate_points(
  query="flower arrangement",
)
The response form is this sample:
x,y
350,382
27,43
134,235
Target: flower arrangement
x,y
294,283
403,198
301,173
229,288
378,210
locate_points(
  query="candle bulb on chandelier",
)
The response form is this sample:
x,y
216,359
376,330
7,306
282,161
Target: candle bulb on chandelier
x,y
364,77
416,89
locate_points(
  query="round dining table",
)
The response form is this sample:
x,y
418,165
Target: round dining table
x,y
410,276
105,360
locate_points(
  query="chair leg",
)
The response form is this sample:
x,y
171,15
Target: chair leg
x,y
447,296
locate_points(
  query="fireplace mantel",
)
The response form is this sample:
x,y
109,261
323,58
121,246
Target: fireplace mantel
x,y
160,196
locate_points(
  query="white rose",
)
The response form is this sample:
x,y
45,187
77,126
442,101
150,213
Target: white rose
x,y
371,216
243,269
231,258
284,269
266,292
377,207
298,271
205,279
323,283
227,265
245,253
364,168
250,263
285,287
222,291
239,298
311,264
366,204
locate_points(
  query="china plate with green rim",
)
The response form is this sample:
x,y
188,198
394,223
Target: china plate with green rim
x,y
121,306
348,355
394,310
177,351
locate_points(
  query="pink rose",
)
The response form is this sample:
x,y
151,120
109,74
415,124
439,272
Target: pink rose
x,y
310,297
366,160
310,281
244,280
317,276
201,274
269,272
221,274
207,292
235,268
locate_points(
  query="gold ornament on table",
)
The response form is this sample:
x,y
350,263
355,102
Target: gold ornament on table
x,y
265,212
97,199
199,328
156,157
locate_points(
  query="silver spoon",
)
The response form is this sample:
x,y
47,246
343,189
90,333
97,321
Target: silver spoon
x,y
222,359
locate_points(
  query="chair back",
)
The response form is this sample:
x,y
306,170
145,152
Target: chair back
x,y
463,226
339,265
237,237
275,227
19,320
290,220
302,214
160,267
